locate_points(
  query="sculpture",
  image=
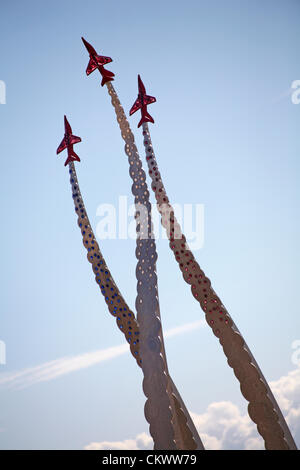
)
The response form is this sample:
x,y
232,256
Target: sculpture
x,y
171,426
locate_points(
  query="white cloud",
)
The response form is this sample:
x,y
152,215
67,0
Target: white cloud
x,y
65,365
287,392
142,442
223,426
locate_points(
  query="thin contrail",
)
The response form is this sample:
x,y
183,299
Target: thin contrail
x,y
58,367
286,93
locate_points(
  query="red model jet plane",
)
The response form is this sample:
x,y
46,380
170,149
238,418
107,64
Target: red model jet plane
x,y
67,143
141,103
97,62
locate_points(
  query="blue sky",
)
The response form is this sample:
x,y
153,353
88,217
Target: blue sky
x,y
226,135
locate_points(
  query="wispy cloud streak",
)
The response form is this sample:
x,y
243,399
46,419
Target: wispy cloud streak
x,y
65,365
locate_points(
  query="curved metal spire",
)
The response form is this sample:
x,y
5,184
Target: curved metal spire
x,y
186,433
160,407
263,408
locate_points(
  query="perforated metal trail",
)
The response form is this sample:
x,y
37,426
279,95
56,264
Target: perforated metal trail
x,y
125,318
263,408
167,425
115,302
